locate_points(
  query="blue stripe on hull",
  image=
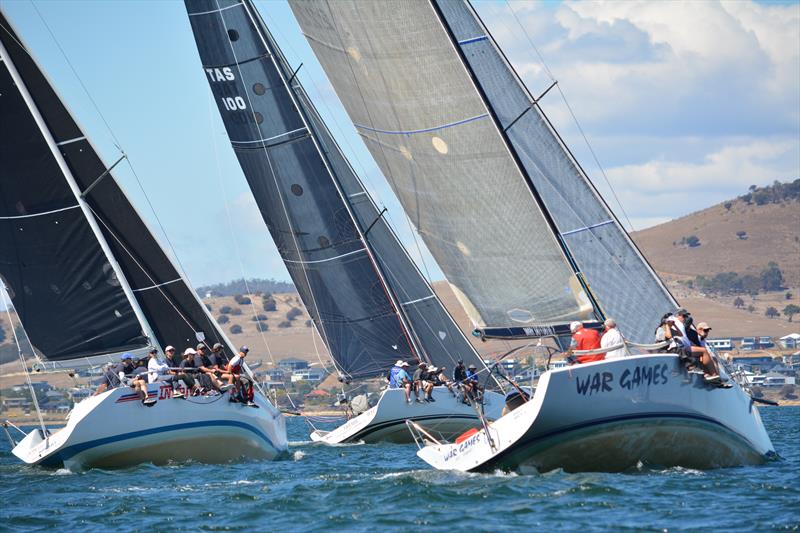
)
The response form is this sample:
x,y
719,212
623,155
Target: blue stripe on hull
x,y
58,457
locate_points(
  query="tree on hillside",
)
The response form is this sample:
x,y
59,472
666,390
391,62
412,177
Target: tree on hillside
x,y
771,312
789,295
235,329
728,205
788,311
293,313
742,235
692,241
259,318
241,299
284,324
236,311
223,319
788,392
268,303
262,326
750,308
772,277
738,303
225,309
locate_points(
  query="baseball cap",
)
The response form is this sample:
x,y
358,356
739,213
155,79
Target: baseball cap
x,y
153,350
216,346
189,351
399,362
703,326
168,348
244,349
403,364
472,367
681,312
200,346
126,357
575,326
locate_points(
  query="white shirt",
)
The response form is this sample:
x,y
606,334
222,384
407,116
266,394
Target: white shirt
x,y
684,339
235,362
155,369
613,337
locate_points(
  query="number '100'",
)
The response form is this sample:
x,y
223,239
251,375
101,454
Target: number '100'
x,y
232,104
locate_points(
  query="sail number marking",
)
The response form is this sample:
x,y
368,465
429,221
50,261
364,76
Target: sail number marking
x,y
230,103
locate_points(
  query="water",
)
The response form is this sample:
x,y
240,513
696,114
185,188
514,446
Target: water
x,y
386,487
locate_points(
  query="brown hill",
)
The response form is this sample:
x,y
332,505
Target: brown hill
x,y
772,234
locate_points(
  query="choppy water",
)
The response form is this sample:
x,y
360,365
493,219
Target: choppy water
x,y
386,487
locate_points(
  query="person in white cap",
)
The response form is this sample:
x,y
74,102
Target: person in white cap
x,y
392,376
612,337
404,380
158,371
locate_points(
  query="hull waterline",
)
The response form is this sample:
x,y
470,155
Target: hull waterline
x,y
615,415
114,430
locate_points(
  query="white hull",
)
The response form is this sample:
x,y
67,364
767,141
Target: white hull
x,y
612,415
115,429
386,421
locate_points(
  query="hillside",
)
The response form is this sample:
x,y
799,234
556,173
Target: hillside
x,y
742,235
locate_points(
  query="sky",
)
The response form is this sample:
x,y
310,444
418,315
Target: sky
x,y
684,105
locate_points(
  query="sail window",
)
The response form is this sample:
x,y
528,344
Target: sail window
x,y
406,153
259,117
86,285
297,190
439,145
323,241
463,248
520,315
259,89
233,35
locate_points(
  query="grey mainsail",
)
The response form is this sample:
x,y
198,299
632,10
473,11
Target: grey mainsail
x,y
86,275
435,140
412,74
369,302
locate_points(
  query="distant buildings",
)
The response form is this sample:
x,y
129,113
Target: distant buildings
x,y
790,341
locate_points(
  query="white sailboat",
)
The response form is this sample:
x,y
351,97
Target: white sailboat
x,y
88,280
526,242
368,301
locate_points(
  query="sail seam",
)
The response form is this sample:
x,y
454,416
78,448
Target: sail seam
x,y
578,230
426,130
328,259
157,285
41,214
239,63
474,39
214,10
70,141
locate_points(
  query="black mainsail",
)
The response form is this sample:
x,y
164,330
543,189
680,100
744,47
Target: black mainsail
x,y
455,131
85,274
367,299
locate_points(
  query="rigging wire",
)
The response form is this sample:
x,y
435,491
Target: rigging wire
x,y
7,304
572,114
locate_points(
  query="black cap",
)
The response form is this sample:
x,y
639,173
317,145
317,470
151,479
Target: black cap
x,y
460,362
244,349
682,312
153,350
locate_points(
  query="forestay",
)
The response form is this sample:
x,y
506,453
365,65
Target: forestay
x,y
366,297
411,99
64,287
627,288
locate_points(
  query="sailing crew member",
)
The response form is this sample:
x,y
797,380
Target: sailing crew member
x,y
187,368
475,388
393,384
443,379
208,378
584,339
459,372
135,378
404,380
158,371
114,375
421,384
680,341
612,337
219,361
234,375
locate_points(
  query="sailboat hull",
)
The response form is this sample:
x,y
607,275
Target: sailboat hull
x,y
615,415
115,430
386,421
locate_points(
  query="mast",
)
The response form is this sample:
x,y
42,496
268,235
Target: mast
x,y
407,329
70,179
520,167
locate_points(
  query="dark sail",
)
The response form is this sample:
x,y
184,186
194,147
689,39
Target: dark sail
x,y
90,302
368,301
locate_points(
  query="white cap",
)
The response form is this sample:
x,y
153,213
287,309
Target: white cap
x,y
399,362
434,369
189,351
403,363
575,326
168,348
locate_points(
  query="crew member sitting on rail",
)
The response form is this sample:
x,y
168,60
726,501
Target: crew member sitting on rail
x,y
392,376
208,377
244,388
158,371
681,344
404,380
583,339
443,379
474,389
612,337
421,383
187,369
114,374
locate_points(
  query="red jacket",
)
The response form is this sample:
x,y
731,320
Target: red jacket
x,y
587,339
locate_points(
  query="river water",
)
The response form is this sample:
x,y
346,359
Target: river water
x,y
386,487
